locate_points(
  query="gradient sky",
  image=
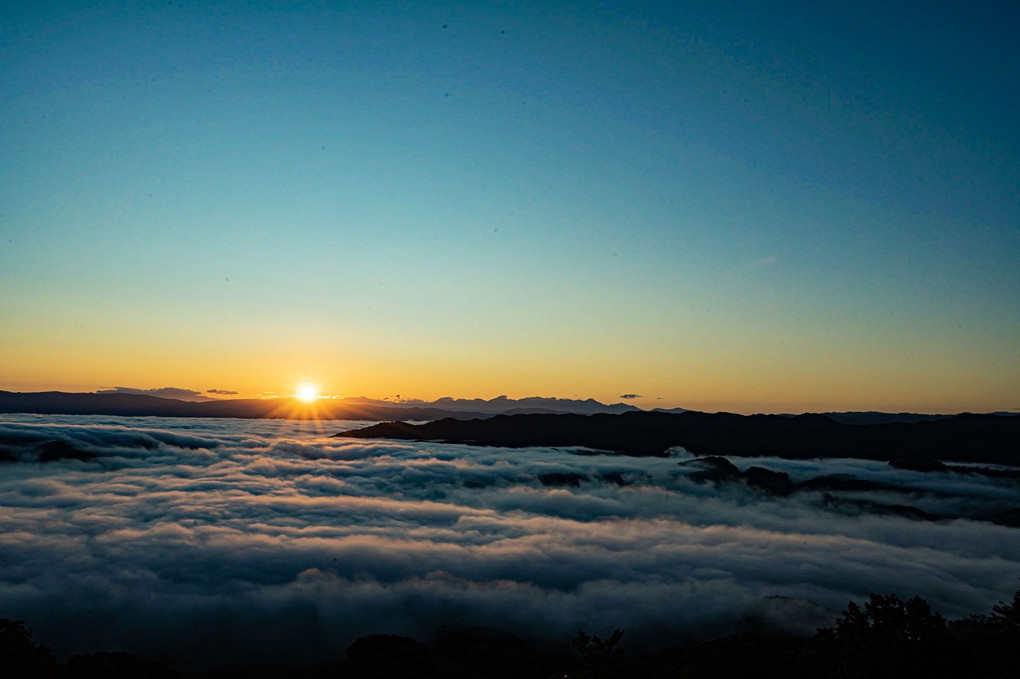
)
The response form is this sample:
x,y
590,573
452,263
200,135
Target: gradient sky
x,y
752,207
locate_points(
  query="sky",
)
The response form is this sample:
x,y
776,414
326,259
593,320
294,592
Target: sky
x,y
777,207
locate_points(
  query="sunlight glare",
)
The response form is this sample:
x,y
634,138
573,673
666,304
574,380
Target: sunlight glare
x,y
307,392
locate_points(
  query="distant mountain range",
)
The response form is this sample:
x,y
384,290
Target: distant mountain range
x,y
356,408
123,402
502,405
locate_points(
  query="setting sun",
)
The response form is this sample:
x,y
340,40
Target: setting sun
x,y
308,392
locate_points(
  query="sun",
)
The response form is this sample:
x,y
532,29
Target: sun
x,y
307,392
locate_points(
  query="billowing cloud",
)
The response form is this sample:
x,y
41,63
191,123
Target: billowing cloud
x,y
221,392
162,392
209,539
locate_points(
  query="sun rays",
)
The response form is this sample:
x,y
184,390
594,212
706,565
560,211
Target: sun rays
x,y
307,392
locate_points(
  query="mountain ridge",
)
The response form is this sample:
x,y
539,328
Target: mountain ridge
x,y
354,408
965,438
363,408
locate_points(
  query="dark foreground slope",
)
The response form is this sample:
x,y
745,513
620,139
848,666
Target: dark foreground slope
x,y
962,438
887,638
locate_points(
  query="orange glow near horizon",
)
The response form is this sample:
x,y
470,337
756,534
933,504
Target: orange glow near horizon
x,y
305,403
748,385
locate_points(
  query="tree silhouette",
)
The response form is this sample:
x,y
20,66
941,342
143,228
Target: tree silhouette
x,y
883,638
20,657
596,657
1008,614
890,637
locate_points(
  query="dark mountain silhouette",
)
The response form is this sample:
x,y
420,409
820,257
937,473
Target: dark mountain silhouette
x,y
137,402
837,490
62,403
962,438
872,417
357,408
530,404
719,470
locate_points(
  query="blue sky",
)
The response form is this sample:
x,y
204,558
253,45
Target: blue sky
x,y
743,207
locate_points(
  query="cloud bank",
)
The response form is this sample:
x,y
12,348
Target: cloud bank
x,y
165,392
205,540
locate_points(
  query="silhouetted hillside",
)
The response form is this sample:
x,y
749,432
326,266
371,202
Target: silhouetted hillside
x,y
872,417
975,438
886,638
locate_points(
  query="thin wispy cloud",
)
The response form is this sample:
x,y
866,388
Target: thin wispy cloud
x,y
162,392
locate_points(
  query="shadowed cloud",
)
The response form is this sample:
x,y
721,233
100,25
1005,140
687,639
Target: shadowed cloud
x,y
205,539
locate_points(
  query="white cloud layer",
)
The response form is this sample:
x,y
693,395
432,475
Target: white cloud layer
x,y
209,539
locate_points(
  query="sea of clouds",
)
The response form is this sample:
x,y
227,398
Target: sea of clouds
x,y
203,541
